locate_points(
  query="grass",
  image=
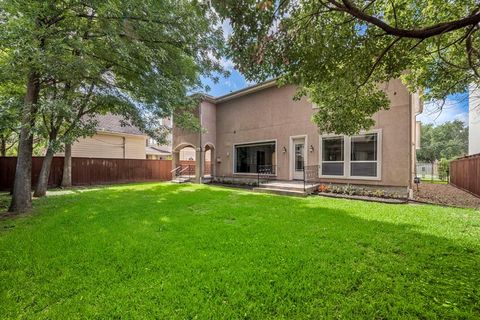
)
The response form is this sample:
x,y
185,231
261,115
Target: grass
x,y
194,251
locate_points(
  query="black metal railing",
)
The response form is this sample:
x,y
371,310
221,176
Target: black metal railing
x,y
310,174
265,173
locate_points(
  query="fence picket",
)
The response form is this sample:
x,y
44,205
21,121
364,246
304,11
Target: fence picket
x,y
465,173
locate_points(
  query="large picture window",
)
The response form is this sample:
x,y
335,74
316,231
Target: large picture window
x,y
333,156
363,161
249,158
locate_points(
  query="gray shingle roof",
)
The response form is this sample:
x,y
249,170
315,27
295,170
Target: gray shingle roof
x,y
113,123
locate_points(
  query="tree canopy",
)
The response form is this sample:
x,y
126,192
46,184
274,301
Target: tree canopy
x,y
136,58
448,141
339,52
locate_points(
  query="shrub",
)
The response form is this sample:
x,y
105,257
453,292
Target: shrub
x,y
443,169
349,190
379,193
323,188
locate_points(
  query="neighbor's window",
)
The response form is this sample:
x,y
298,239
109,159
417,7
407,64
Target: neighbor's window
x,y
364,157
332,156
250,157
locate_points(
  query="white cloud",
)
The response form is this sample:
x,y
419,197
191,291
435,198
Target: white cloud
x,y
226,63
227,29
452,109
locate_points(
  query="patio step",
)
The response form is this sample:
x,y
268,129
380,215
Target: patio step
x,y
180,180
281,191
287,187
290,186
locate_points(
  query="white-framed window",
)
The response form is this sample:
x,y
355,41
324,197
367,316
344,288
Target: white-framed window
x,y
364,155
333,156
351,157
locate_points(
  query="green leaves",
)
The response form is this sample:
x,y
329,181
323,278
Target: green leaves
x,y
448,140
136,58
339,60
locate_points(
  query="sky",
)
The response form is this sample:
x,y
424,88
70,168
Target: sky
x,y
455,107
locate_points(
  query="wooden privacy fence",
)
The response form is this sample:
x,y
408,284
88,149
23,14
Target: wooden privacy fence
x,y
465,173
88,171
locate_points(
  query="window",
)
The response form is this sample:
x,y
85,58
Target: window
x,y
363,161
332,156
251,157
355,157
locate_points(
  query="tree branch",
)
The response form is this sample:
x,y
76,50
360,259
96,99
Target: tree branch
x,y
379,59
348,7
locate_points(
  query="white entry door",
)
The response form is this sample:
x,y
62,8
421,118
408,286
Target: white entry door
x,y
298,158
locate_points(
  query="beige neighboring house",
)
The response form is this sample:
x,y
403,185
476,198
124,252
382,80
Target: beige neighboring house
x,y
263,128
156,151
115,141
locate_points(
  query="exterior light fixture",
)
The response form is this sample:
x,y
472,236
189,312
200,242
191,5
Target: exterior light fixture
x,y
311,148
284,150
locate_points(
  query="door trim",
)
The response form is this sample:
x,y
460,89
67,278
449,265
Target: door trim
x,y
291,156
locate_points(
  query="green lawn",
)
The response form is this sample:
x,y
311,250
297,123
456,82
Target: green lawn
x,y
194,251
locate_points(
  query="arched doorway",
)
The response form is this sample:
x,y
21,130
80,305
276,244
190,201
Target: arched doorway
x,y
209,161
184,162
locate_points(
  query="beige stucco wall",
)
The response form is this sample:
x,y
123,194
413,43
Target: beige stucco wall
x,y
271,114
106,145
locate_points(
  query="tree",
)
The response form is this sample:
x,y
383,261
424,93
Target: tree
x,y
443,169
448,141
342,53
133,57
10,100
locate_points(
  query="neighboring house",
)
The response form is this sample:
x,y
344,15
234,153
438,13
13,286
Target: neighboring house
x,y
156,151
263,127
115,141
474,121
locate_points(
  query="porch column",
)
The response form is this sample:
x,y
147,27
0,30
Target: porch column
x,y
175,159
213,163
199,163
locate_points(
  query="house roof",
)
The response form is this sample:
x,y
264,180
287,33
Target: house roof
x,y
247,90
238,93
156,151
113,123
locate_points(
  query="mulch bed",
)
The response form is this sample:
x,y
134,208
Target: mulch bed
x,y
445,194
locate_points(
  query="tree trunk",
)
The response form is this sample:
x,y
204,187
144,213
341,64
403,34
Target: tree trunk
x,y
67,167
22,186
3,146
42,183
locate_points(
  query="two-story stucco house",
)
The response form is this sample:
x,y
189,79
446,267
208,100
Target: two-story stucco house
x,y
263,127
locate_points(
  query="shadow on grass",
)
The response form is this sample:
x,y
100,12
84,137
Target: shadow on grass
x,y
221,253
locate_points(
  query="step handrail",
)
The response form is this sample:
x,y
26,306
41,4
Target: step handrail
x,y
187,167
175,169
